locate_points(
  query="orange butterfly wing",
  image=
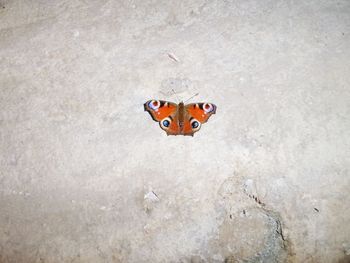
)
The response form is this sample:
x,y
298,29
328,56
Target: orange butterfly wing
x,y
195,115
165,113
201,111
160,109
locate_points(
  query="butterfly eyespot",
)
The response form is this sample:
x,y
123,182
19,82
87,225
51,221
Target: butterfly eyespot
x,y
154,104
165,123
195,125
207,107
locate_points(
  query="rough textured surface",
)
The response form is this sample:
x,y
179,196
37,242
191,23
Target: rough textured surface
x,y
87,176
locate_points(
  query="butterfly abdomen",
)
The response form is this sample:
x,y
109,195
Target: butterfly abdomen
x,y
181,116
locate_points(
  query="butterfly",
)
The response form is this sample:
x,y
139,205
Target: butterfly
x,y
179,119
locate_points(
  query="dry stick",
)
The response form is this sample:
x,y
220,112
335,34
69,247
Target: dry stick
x,y
172,56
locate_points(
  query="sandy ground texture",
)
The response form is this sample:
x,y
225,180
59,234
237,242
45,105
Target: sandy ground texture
x,y
87,176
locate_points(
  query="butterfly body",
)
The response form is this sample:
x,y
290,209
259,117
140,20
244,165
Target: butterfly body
x,y
179,119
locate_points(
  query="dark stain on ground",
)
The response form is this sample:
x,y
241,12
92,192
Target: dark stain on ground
x,y
346,259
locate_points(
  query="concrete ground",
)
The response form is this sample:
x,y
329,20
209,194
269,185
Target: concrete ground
x,y
87,176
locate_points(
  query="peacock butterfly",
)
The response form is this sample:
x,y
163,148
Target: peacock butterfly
x,y
179,119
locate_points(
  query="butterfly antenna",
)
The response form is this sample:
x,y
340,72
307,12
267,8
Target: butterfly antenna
x,y
175,95
192,97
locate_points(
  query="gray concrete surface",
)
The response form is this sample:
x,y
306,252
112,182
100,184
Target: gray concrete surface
x,y
87,176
